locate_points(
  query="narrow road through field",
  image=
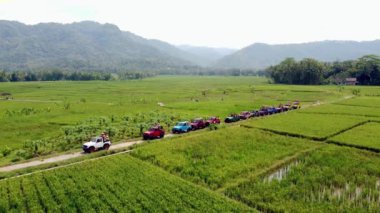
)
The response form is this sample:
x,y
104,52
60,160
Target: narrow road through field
x,y
113,147
66,156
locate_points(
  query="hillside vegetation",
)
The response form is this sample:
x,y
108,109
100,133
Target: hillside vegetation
x,y
86,46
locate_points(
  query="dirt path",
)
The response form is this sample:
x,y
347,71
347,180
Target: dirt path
x,y
113,147
66,156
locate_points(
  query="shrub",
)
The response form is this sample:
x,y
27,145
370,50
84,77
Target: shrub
x,y
6,151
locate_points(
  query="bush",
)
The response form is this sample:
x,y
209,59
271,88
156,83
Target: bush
x,y
6,151
24,154
356,92
212,127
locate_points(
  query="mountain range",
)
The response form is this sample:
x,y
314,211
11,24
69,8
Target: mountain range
x,y
92,46
88,46
261,55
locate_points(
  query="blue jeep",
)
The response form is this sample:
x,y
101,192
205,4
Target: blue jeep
x,y
182,127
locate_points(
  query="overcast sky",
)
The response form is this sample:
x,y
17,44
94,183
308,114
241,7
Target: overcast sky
x,y
216,23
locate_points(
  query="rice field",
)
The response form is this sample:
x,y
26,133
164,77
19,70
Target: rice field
x,y
331,179
307,160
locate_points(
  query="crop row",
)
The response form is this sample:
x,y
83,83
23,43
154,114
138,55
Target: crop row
x,y
331,179
117,183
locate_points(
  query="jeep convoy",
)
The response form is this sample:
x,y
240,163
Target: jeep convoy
x,y
263,111
103,143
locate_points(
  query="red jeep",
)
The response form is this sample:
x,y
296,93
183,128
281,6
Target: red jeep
x,y
245,115
154,132
212,120
198,123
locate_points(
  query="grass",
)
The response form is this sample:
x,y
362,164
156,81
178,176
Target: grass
x,y
127,184
332,179
366,136
218,158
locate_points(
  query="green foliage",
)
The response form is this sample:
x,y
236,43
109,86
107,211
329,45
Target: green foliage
x,y
6,151
87,46
306,71
122,184
309,71
356,92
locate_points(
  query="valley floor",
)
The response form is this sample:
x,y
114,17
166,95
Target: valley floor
x,y
321,158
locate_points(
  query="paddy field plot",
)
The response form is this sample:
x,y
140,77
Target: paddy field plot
x,y
113,184
346,110
364,101
316,126
331,179
218,158
365,136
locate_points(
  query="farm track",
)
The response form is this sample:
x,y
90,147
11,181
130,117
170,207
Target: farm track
x,y
64,157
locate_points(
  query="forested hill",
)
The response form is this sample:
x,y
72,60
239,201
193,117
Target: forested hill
x,y
263,55
87,46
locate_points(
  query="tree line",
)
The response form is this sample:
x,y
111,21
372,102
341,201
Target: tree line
x,y
366,70
64,75
59,75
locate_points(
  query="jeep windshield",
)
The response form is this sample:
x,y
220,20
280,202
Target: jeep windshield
x,y
196,120
181,124
94,139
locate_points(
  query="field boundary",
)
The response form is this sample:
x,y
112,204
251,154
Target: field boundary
x,y
355,105
323,139
376,150
269,169
371,149
283,133
345,114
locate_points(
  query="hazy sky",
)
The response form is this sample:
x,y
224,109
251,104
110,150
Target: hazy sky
x,y
217,23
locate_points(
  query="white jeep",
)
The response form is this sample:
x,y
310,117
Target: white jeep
x,y
96,143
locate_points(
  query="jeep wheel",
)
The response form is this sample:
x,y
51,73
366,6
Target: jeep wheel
x,y
91,149
106,146
162,135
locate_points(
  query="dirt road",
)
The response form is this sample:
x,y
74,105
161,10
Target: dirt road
x,y
66,156
113,147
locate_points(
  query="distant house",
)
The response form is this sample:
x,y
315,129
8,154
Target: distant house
x,y
351,81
